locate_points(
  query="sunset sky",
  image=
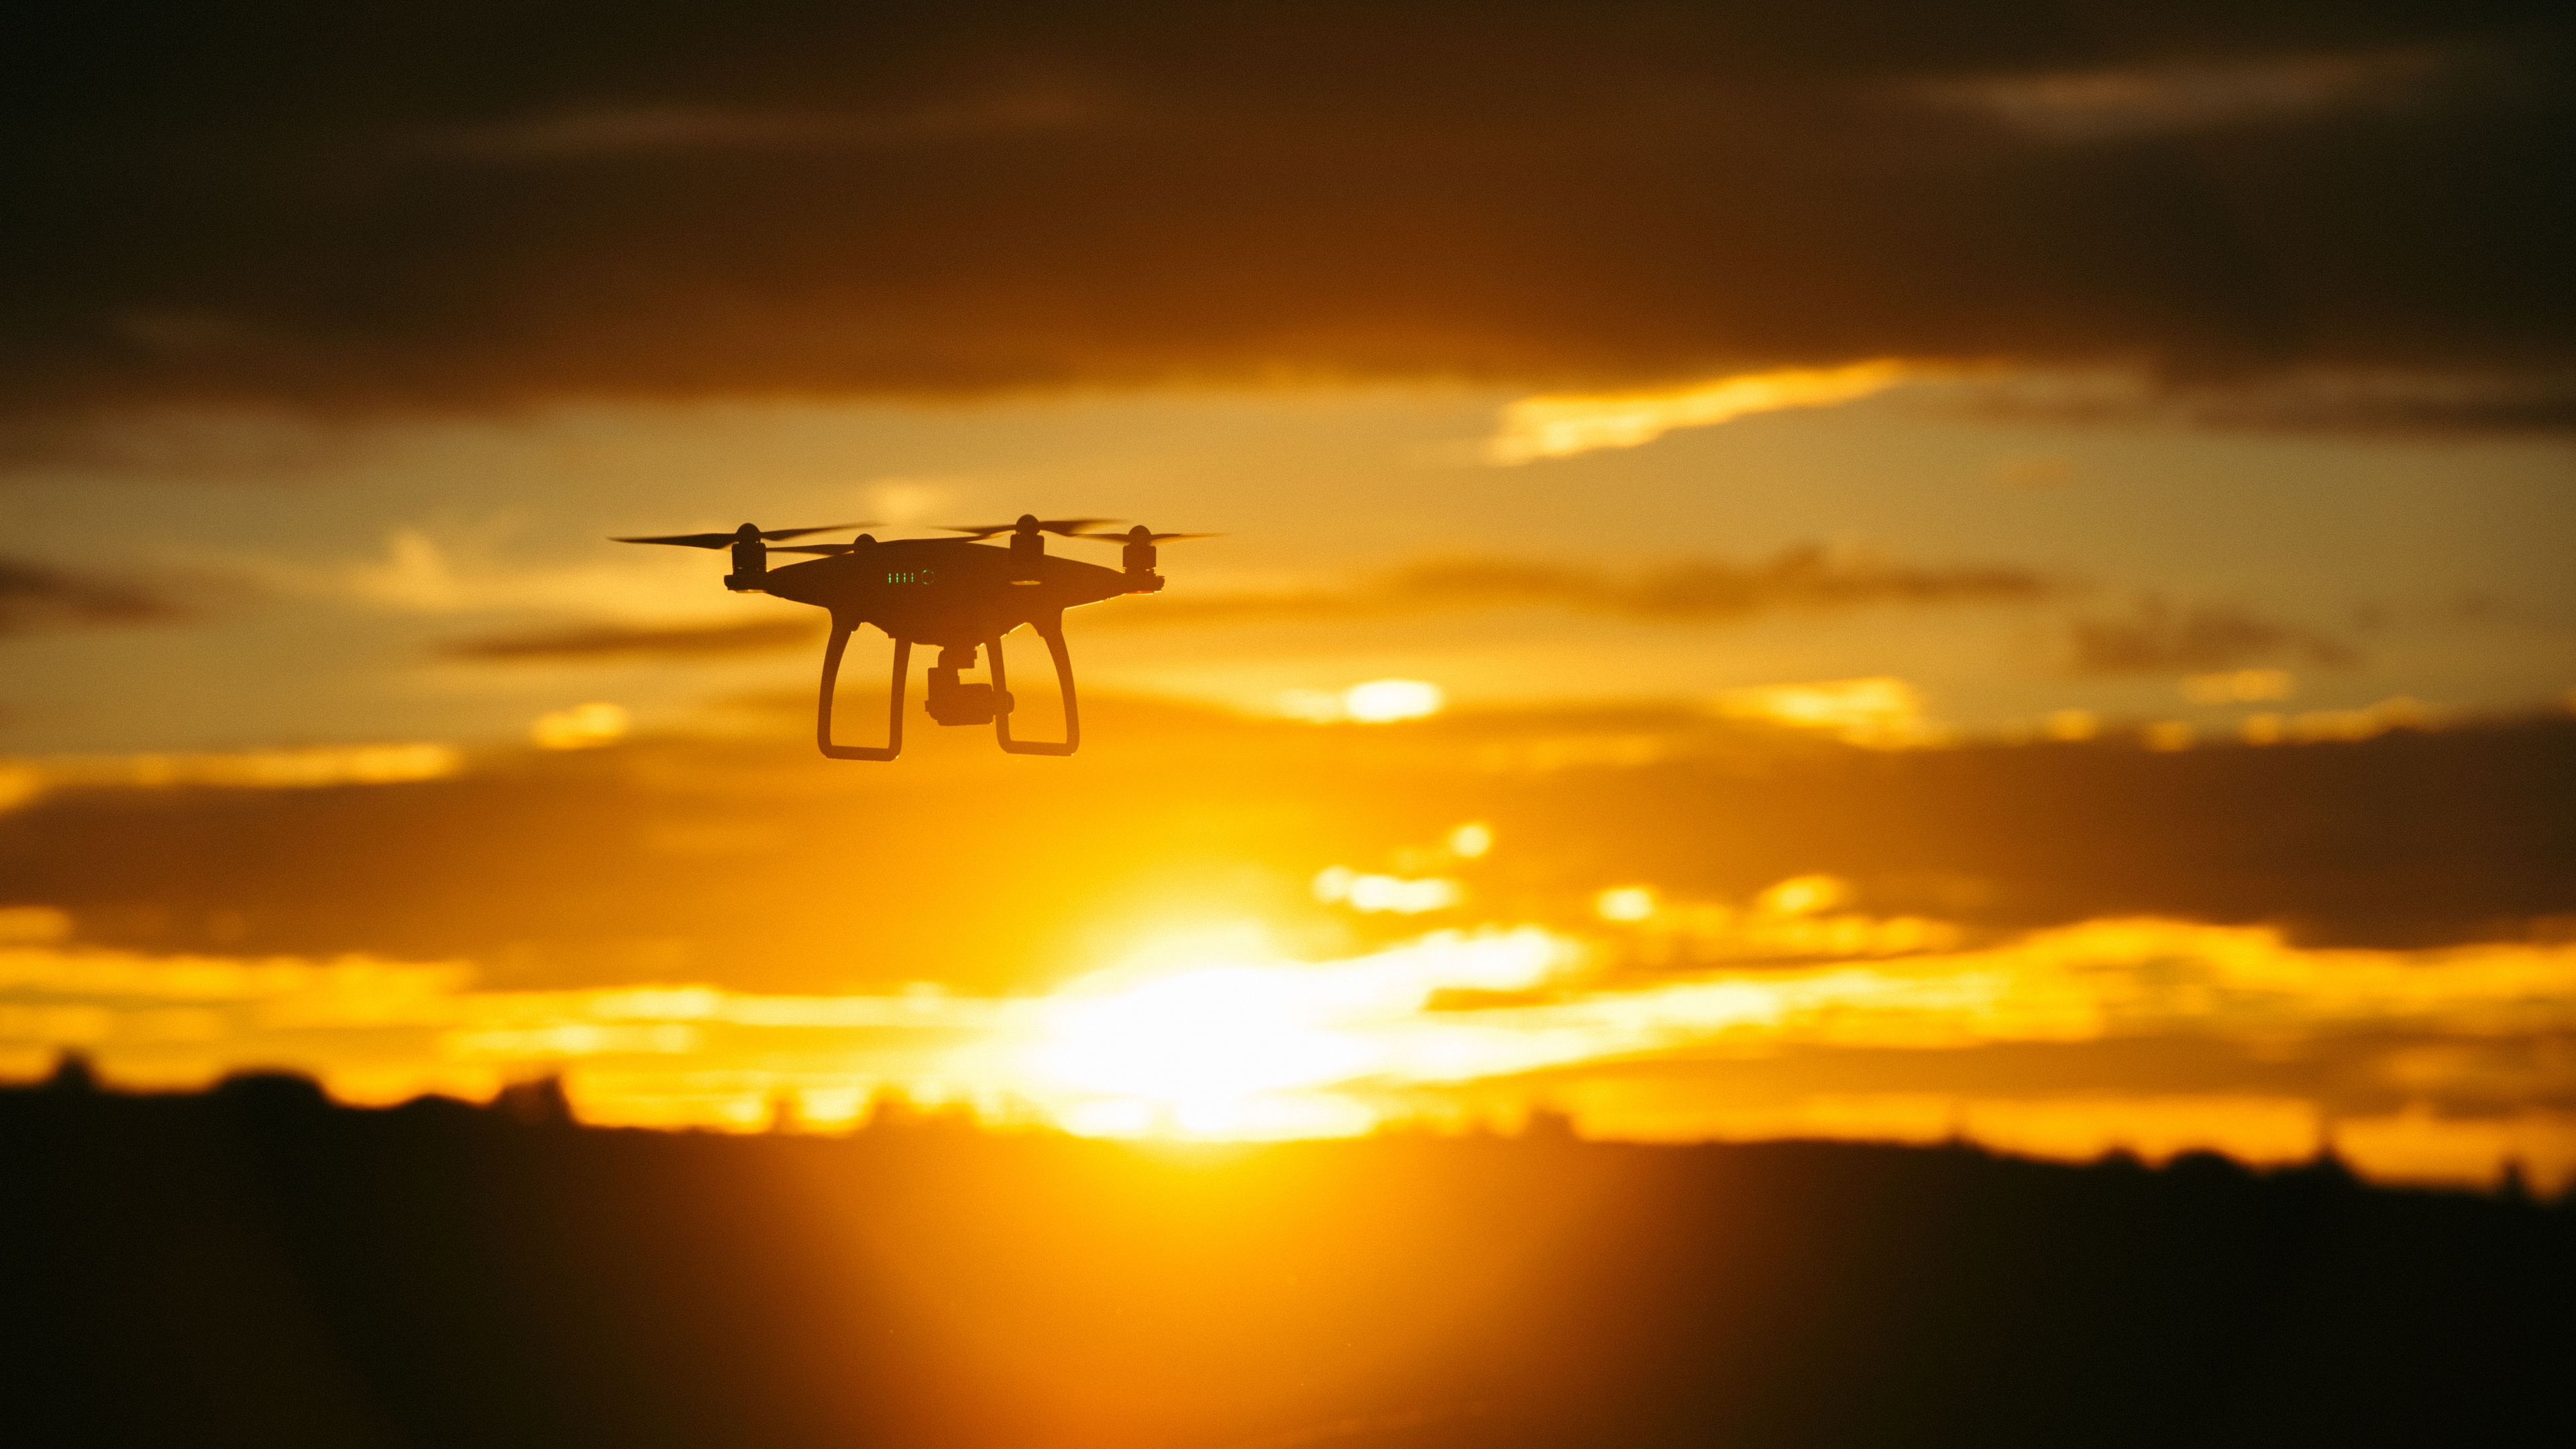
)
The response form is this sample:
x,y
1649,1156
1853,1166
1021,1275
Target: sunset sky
x,y
2118,461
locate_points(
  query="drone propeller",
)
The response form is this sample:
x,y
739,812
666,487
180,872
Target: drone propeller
x,y
1140,534
725,540
1069,527
849,547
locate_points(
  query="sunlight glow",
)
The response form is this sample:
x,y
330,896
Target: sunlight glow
x,y
33,925
582,727
1471,841
2361,724
2229,685
1624,903
1380,701
316,767
2071,726
1340,885
1209,1050
1804,895
1560,426
1879,712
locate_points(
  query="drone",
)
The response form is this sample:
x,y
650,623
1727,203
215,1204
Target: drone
x,y
960,594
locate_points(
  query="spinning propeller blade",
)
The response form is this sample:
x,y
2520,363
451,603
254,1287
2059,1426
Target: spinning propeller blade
x,y
685,540
1069,527
724,540
779,533
848,547
1149,537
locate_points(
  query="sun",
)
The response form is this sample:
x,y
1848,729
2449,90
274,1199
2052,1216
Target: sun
x,y
1205,1050
1256,1048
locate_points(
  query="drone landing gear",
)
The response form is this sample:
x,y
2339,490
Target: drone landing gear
x,y
894,705
951,702
1052,632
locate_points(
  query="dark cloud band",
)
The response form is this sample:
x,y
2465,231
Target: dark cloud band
x,y
620,641
475,205
39,598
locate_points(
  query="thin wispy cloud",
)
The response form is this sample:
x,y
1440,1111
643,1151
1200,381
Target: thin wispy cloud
x,y
40,598
1553,426
2123,104
605,642
2161,637
449,571
1686,591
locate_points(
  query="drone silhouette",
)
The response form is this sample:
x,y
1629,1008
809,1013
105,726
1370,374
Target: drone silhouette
x,y
960,594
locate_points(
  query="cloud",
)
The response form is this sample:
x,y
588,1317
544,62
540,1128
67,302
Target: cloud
x,y
2082,107
221,444
1687,591
1878,712
2392,403
561,869
465,571
2161,638
38,598
1562,426
623,641
306,767
284,206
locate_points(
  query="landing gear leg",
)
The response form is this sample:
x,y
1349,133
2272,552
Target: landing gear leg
x,y
1052,631
894,706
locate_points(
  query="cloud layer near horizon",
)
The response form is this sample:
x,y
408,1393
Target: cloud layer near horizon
x,y
470,206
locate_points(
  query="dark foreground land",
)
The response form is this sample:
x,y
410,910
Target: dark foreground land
x,y
254,1267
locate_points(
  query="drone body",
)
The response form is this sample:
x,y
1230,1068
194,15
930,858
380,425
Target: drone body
x,y
957,594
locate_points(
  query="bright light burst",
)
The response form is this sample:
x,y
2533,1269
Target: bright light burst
x,y
1379,701
1339,885
582,727
1213,1050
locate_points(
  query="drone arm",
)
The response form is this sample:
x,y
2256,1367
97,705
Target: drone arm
x,y
894,707
1052,631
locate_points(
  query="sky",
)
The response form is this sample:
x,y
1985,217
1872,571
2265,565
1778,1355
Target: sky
x,y
2002,402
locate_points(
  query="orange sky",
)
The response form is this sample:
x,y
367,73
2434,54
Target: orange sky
x,y
2114,465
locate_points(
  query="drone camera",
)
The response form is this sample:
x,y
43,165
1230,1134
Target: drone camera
x,y
953,703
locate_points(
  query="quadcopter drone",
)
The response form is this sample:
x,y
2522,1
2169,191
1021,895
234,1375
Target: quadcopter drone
x,y
960,594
